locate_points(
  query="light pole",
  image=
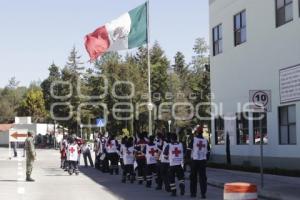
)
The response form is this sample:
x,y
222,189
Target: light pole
x,y
170,71
55,134
150,108
169,122
81,126
262,115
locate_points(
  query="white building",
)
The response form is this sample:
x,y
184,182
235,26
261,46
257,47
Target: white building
x,y
256,46
22,124
4,133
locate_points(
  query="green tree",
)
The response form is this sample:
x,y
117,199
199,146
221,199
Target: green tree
x,y
200,76
74,63
180,66
54,75
33,105
71,73
201,59
10,98
110,65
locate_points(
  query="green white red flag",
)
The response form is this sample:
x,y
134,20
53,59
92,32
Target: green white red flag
x,y
126,32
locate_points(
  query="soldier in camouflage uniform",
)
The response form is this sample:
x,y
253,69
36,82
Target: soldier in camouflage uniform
x,y
30,156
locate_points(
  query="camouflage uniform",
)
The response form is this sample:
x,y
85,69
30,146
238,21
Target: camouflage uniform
x,y
30,156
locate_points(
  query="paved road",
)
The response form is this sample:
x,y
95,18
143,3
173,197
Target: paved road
x,y
54,184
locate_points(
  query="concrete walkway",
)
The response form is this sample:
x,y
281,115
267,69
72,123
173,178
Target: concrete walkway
x,y
275,187
52,183
92,184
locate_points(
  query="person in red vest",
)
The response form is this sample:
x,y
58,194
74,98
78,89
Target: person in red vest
x,y
79,142
200,153
174,152
63,155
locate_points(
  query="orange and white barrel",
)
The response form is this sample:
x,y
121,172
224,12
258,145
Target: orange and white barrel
x,y
240,191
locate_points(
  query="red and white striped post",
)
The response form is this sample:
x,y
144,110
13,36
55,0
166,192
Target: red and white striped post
x,y
240,191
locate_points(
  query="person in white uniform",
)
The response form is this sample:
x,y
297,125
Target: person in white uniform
x,y
200,153
73,155
174,151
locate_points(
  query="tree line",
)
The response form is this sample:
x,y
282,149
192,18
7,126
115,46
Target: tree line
x,y
169,84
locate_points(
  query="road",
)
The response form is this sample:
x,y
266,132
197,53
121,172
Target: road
x,y
54,184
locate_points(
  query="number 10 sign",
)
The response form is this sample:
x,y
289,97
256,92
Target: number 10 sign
x,y
260,99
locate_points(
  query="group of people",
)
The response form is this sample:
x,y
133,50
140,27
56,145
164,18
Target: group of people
x,y
158,159
71,150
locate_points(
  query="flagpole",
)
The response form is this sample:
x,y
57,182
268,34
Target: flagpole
x,y
150,107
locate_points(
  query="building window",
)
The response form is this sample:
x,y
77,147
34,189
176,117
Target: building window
x,y
257,119
219,131
242,128
284,12
240,28
287,125
217,40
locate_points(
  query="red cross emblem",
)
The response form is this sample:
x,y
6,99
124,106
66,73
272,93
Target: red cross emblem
x,y
176,152
152,151
72,150
200,145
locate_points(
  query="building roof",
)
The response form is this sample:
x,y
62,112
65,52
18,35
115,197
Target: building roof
x,y
5,127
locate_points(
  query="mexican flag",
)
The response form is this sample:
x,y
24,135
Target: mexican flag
x,y
126,32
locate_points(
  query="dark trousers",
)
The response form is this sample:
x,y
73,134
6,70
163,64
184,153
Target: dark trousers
x,y
128,170
122,163
73,167
114,163
97,161
187,160
176,171
87,155
63,163
198,169
150,171
141,165
104,164
162,176
15,144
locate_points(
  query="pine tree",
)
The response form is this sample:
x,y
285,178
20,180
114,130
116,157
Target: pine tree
x,y
54,75
180,66
74,64
200,78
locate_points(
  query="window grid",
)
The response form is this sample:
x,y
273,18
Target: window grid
x,y
256,128
284,12
219,131
217,40
242,128
285,123
240,35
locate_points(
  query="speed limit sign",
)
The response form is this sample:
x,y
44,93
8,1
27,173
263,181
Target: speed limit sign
x,y
260,99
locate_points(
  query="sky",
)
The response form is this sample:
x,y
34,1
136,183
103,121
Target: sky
x,y
34,33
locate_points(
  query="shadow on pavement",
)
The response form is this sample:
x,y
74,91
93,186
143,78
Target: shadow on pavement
x,y
112,184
